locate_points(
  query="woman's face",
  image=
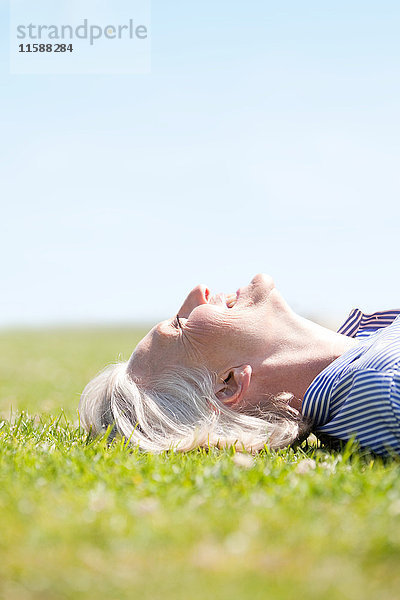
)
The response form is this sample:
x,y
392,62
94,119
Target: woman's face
x,y
216,332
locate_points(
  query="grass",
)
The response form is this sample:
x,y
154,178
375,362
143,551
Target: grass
x,y
81,520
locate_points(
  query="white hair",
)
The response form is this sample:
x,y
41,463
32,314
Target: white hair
x,y
179,410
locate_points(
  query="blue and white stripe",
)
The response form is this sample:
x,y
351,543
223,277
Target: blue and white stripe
x,y
359,324
358,395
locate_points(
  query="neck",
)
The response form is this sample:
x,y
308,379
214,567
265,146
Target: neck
x,y
298,352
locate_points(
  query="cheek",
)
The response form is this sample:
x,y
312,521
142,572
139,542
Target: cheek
x,y
206,320
208,335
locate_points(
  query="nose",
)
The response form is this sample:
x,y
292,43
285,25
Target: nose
x,y
199,295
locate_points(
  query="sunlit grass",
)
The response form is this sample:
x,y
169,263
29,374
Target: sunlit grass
x,y
81,519
47,370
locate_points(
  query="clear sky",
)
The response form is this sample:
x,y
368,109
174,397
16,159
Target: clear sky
x,y
266,138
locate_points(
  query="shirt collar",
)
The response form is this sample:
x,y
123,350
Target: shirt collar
x,y
317,399
358,323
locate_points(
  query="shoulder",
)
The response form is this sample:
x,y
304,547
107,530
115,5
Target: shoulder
x,y
363,398
366,405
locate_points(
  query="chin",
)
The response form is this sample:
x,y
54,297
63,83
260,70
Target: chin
x,y
261,285
257,290
262,279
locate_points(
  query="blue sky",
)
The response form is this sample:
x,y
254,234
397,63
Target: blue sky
x,y
266,138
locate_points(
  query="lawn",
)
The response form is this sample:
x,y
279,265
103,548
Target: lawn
x,y
80,520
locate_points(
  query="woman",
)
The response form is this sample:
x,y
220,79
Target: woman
x,y
244,369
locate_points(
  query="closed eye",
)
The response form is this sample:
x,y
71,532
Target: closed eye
x,y
177,323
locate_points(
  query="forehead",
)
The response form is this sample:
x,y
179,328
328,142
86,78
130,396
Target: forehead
x,y
152,352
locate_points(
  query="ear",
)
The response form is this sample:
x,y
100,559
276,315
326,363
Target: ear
x,y
233,384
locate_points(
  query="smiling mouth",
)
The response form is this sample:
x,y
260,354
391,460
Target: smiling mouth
x,y
228,300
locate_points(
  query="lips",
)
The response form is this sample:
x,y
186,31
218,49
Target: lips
x,y
228,300
231,300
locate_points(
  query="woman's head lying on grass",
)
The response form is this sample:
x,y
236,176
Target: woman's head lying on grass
x,y
226,369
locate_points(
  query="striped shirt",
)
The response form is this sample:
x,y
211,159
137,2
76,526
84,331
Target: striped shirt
x,y
358,395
